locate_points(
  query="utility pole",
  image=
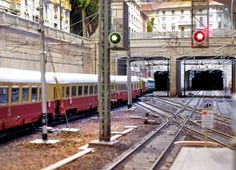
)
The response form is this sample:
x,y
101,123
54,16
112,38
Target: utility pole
x,y
95,58
42,67
104,105
129,78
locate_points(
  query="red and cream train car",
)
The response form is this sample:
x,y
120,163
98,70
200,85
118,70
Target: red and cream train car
x,y
20,94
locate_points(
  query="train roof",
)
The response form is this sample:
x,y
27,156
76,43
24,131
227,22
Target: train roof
x,y
28,76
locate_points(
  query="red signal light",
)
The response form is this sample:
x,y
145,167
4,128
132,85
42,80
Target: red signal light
x,y
199,36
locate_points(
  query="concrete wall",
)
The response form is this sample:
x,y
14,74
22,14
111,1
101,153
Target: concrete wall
x,y
19,47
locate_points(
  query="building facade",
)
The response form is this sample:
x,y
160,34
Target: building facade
x,y
56,12
135,25
135,20
176,16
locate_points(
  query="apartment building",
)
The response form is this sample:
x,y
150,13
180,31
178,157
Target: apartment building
x,y
56,12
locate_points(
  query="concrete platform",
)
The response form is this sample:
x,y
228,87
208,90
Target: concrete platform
x,y
203,159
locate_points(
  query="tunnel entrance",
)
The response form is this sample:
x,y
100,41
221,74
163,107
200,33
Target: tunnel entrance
x,y
161,80
207,80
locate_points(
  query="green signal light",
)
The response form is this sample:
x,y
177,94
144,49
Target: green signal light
x,y
114,37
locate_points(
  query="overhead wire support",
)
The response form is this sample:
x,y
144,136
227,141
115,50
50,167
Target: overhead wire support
x,y
43,70
104,105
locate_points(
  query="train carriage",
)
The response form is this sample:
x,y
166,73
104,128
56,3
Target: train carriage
x,y
20,94
20,99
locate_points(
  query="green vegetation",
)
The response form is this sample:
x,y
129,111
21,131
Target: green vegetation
x,y
82,9
150,25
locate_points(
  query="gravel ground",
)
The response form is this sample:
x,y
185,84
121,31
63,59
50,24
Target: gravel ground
x,y
21,155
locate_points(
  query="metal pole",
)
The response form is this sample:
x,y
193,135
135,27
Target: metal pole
x,y
184,78
104,104
129,79
234,109
42,67
95,59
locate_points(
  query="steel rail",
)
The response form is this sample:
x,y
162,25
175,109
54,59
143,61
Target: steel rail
x,y
171,119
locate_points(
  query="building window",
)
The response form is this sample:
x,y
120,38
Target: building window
x,y
163,18
55,9
173,12
201,20
46,10
163,12
26,2
164,26
173,27
55,25
67,14
182,29
33,3
182,11
219,24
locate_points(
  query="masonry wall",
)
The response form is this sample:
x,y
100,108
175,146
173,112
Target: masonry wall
x,y
19,47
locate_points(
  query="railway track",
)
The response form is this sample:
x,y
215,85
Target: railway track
x,y
220,119
151,151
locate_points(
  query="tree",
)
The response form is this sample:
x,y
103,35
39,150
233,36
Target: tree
x,y
91,10
150,25
82,9
82,4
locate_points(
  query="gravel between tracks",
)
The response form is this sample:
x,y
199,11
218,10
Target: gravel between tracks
x,y
21,155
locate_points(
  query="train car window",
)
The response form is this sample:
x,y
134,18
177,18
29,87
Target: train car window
x,y
80,90
67,91
85,90
73,91
39,93
34,94
125,87
91,89
62,92
3,95
15,94
95,89
112,88
25,94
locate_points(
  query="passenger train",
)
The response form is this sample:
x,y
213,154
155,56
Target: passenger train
x,y
20,94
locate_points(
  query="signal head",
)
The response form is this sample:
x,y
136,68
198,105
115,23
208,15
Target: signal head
x,y
199,36
114,38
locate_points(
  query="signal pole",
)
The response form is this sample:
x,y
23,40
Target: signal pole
x,y
42,67
104,105
129,78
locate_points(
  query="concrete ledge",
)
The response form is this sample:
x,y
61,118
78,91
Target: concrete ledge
x,y
70,130
97,142
67,160
40,141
